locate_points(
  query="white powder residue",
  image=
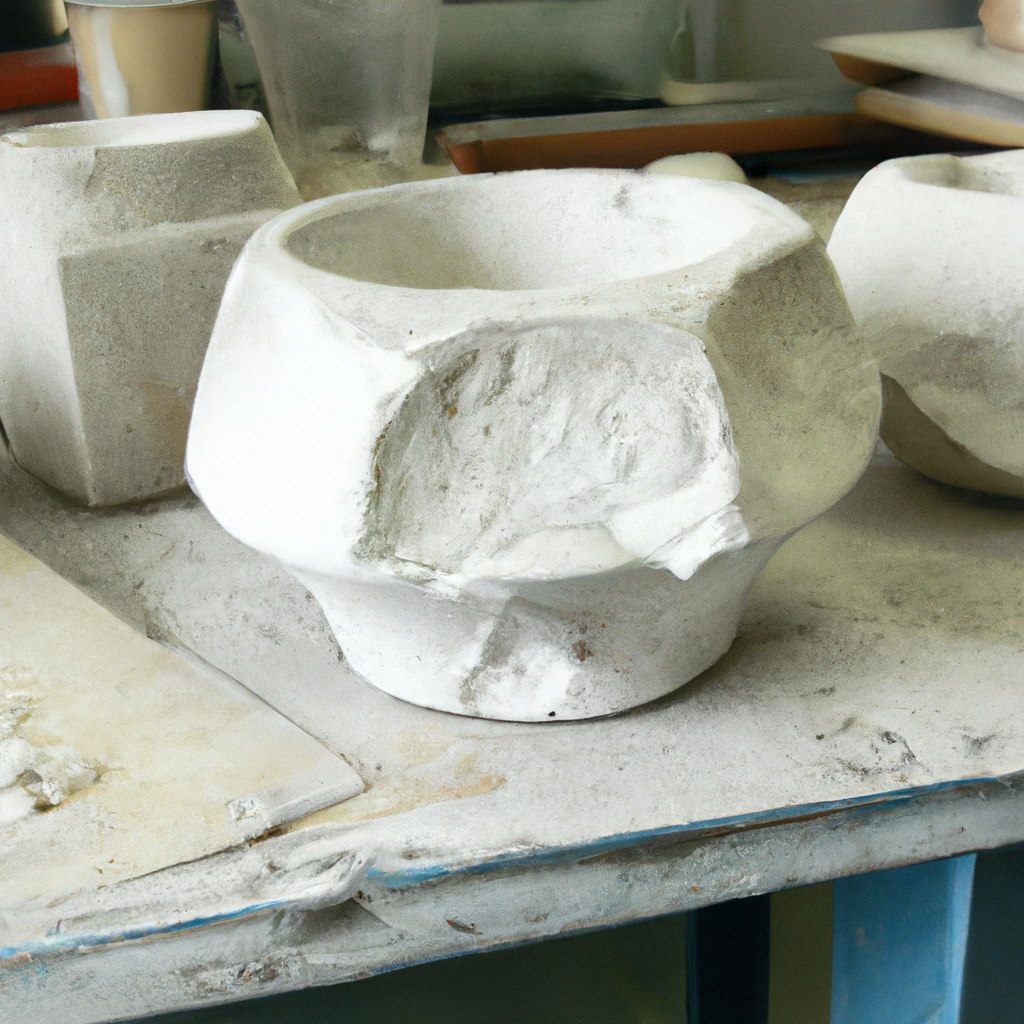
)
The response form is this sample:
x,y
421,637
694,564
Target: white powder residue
x,y
33,776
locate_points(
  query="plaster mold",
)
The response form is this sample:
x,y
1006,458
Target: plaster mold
x,y
529,438
117,239
929,252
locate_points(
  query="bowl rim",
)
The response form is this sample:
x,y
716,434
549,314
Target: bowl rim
x,y
271,241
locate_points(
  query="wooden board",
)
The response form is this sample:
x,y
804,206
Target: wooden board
x,y
947,108
638,146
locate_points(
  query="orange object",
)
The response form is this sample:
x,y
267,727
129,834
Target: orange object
x,y
46,74
867,72
636,147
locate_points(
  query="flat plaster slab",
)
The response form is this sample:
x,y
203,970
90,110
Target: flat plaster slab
x,y
141,760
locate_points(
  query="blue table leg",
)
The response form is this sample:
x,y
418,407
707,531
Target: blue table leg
x,y
898,944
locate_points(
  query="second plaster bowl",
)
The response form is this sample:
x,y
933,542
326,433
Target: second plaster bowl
x,y
529,438
930,253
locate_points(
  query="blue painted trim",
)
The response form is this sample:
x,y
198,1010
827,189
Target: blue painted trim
x,y
542,856
407,877
60,943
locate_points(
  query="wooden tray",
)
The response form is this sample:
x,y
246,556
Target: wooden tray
x,y
635,138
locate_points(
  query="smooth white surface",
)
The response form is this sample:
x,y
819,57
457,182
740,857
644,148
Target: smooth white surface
x,y
716,166
501,426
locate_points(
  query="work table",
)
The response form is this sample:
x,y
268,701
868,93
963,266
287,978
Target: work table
x,y
865,717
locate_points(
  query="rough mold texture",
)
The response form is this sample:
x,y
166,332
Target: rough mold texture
x,y
116,239
929,253
529,438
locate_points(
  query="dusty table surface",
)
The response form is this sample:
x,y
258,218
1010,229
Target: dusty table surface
x,y
869,712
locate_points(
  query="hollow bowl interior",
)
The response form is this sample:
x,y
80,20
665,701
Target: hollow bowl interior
x,y
526,230
995,174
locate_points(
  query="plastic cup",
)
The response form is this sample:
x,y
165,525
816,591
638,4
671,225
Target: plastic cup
x,y
151,58
347,85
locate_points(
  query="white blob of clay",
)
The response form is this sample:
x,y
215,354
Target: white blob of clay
x,y
714,166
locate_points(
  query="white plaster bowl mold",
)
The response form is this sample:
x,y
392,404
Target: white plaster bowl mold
x,y
116,240
930,253
529,438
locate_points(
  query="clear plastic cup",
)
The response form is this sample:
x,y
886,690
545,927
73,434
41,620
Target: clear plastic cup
x,y
347,85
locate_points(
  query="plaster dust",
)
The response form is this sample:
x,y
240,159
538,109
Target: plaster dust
x,y
879,650
818,201
135,755
34,775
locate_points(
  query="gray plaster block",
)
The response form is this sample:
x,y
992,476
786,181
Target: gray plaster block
x,y
114,271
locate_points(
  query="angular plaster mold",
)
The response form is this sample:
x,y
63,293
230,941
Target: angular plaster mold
x,y
117,239
929,252
529,438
